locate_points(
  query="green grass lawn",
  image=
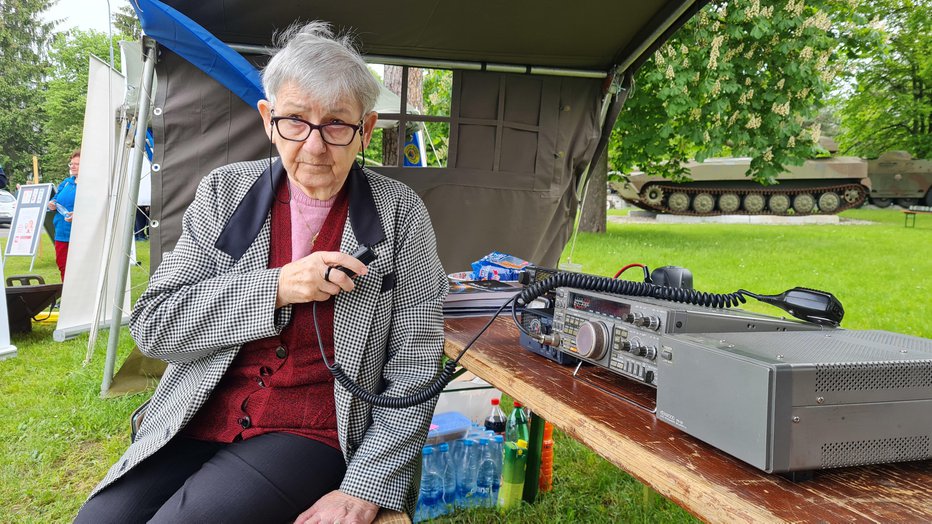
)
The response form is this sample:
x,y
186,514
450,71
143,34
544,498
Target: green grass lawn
x,y
58,437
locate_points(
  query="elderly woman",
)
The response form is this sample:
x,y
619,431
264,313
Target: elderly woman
x,y
247,425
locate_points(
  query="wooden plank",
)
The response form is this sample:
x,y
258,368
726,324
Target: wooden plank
x,y
599,410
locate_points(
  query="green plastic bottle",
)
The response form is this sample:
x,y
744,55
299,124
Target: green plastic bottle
x,y
513,469
516,428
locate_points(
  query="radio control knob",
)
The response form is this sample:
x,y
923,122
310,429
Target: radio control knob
x,y
653,323
650,352
592,339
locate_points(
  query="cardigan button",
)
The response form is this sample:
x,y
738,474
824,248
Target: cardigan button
x,y
245,422
260,382
281,352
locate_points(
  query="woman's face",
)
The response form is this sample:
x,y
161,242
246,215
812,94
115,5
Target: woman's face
x,y
318,168
73,166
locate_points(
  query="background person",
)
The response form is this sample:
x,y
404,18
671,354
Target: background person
x,y
247,424
64,197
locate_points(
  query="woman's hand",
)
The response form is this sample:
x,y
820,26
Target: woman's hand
x,y
337,507
304,279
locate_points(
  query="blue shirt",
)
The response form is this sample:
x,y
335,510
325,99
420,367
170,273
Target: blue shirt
x,y
64,197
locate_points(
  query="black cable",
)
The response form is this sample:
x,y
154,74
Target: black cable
x,y
383,401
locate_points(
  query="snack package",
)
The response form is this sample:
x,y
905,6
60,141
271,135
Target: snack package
x,y
498,266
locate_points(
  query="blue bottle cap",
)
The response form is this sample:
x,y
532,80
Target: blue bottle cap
x,y
483,442
444,447
499,438
428,450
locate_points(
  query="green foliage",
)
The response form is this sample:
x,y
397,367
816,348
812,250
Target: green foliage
x,y
438,87
745,76
66,95
890,106
126,23
23,38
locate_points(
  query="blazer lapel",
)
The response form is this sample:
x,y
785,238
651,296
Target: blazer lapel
x,y
250,218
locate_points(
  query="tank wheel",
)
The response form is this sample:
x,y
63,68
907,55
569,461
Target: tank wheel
x,y
852,195
653,196
803,203
906,202
779,204
881,202
678,202
829,202
703,203
754,203
729,202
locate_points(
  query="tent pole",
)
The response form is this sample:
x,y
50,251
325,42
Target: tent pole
x,y
126,234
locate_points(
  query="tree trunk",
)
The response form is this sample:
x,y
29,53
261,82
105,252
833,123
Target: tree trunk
x,y
392,80
592,219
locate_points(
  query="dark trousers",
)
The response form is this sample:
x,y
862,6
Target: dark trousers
x,y
268,478
141,226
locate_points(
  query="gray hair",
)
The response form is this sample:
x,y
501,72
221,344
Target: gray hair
x,y
325,66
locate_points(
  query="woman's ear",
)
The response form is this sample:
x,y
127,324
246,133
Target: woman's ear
x,y
368,125
265,110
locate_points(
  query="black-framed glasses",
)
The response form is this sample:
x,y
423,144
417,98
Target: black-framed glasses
x,y
298,130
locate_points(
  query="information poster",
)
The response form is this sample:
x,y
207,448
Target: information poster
x,y
31,204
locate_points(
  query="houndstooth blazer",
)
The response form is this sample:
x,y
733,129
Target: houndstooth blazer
x,y
203,304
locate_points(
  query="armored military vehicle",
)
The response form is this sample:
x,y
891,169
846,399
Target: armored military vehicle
x,y
719,187
820,186
897,177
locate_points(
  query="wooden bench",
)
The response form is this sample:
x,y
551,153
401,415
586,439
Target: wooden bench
x,y
912,212
601,412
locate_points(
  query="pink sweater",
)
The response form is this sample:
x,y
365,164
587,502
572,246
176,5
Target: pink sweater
x,y
307,216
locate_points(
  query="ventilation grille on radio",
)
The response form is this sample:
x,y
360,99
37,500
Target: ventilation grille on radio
x,y
902,449
858,376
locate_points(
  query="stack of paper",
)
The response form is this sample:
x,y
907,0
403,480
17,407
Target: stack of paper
x,y
478,297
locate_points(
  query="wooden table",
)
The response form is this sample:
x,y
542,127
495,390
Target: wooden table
x,y
706,482
911,214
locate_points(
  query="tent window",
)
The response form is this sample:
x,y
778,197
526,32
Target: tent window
x,y
415,134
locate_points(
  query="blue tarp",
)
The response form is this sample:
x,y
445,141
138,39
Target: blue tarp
x,y
195,44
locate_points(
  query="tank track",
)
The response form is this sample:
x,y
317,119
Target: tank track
x,y
657,197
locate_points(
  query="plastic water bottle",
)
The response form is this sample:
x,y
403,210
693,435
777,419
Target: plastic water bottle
x,y
485,477
466,476
517,427
429,500
448,469
497,448
496,419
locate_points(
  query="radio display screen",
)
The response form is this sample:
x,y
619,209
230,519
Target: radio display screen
x,y
599,305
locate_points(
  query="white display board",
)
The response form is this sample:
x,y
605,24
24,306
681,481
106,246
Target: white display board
x,y
25,230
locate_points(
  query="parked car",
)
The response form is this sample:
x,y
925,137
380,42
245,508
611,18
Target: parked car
x,y
7,207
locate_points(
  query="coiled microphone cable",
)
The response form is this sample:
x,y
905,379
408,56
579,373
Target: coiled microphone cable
x,y
383,401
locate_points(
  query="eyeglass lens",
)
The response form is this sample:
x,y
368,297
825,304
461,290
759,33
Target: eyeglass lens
x,y
299,130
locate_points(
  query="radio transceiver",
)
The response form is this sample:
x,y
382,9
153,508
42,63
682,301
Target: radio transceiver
x,y
780,394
